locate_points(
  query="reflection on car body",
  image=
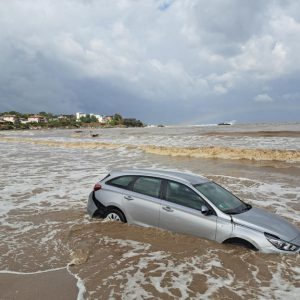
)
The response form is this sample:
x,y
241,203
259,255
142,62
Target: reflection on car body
x,y
190,204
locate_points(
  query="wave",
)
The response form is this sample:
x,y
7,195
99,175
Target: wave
x,y
262,133
196,152
64,144
227,153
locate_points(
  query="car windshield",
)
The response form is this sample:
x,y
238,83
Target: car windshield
x,y
222,199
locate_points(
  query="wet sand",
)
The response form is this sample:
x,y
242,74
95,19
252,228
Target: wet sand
x,y
59,285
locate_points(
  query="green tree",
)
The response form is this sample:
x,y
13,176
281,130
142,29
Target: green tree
x,y
88,119
45,114
132,122
117,120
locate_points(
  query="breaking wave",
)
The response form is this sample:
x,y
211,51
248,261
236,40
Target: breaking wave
x,y
195,152
63,144
262,133
227,153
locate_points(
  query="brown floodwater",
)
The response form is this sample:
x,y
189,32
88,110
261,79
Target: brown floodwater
x,y
50,248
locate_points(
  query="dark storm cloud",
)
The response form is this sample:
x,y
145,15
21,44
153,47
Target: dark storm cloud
x,y
160,61
33,82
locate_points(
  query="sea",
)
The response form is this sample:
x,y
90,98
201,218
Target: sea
x,y
51,249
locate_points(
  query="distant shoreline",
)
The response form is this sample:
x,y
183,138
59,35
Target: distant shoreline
x,y
17,121
68,127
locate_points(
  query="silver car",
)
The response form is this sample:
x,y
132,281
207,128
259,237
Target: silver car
x,y
190,204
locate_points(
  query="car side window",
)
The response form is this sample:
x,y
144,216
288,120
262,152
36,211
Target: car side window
x,y
181,194
148,186
122,182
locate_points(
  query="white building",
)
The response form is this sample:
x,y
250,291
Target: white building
x,y
79,115
36,119
100,118
10,118
24,121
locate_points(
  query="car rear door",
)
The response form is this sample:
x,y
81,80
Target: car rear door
x,y
142,203
180,211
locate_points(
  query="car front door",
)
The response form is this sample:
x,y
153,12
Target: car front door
x,y
180,211
142,202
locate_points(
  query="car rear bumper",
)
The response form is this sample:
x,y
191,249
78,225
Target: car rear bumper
x,y
94,207
91,206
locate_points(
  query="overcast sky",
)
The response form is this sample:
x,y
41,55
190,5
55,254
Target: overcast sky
x,y
161,61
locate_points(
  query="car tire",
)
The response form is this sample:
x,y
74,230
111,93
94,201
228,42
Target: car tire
x,y
114,214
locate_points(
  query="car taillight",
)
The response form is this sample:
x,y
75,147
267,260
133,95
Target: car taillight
x,y
97,187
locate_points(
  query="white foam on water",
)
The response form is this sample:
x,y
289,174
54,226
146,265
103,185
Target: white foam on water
x,y
31,273
296,269
286,290
138,276
80,284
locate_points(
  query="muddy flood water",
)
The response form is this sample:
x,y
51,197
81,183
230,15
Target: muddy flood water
x,y
51,249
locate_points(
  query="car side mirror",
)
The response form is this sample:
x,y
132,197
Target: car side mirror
x,y
205,210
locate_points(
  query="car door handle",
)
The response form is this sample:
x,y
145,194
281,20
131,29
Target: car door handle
x,y
167,208
128,197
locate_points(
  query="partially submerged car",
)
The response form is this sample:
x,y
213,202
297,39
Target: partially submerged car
x,y
190,204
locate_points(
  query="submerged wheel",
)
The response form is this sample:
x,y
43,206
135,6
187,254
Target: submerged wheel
x,y
115,215
240,243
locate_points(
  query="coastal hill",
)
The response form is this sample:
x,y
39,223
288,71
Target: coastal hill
x,y
13,120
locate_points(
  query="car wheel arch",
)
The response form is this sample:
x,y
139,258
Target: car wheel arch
x,y
241,242
112,207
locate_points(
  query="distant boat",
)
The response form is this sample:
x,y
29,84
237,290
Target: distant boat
x,y
224,123
94,134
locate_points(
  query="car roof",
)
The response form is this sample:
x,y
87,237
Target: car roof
x,y
168,174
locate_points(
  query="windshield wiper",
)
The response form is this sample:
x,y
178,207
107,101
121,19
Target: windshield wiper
x,y
231,211
236,211
248,207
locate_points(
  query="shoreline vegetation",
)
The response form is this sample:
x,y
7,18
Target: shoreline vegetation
x,y
13,120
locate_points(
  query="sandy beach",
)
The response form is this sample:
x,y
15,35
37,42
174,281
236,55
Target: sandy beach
x,y
48,285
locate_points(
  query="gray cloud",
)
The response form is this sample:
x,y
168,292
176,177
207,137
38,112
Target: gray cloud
x,y
263,98
225,25
160,61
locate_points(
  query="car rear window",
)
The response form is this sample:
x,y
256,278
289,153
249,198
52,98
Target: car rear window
x,y
122,182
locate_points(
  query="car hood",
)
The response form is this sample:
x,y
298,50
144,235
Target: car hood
x,y
261,220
